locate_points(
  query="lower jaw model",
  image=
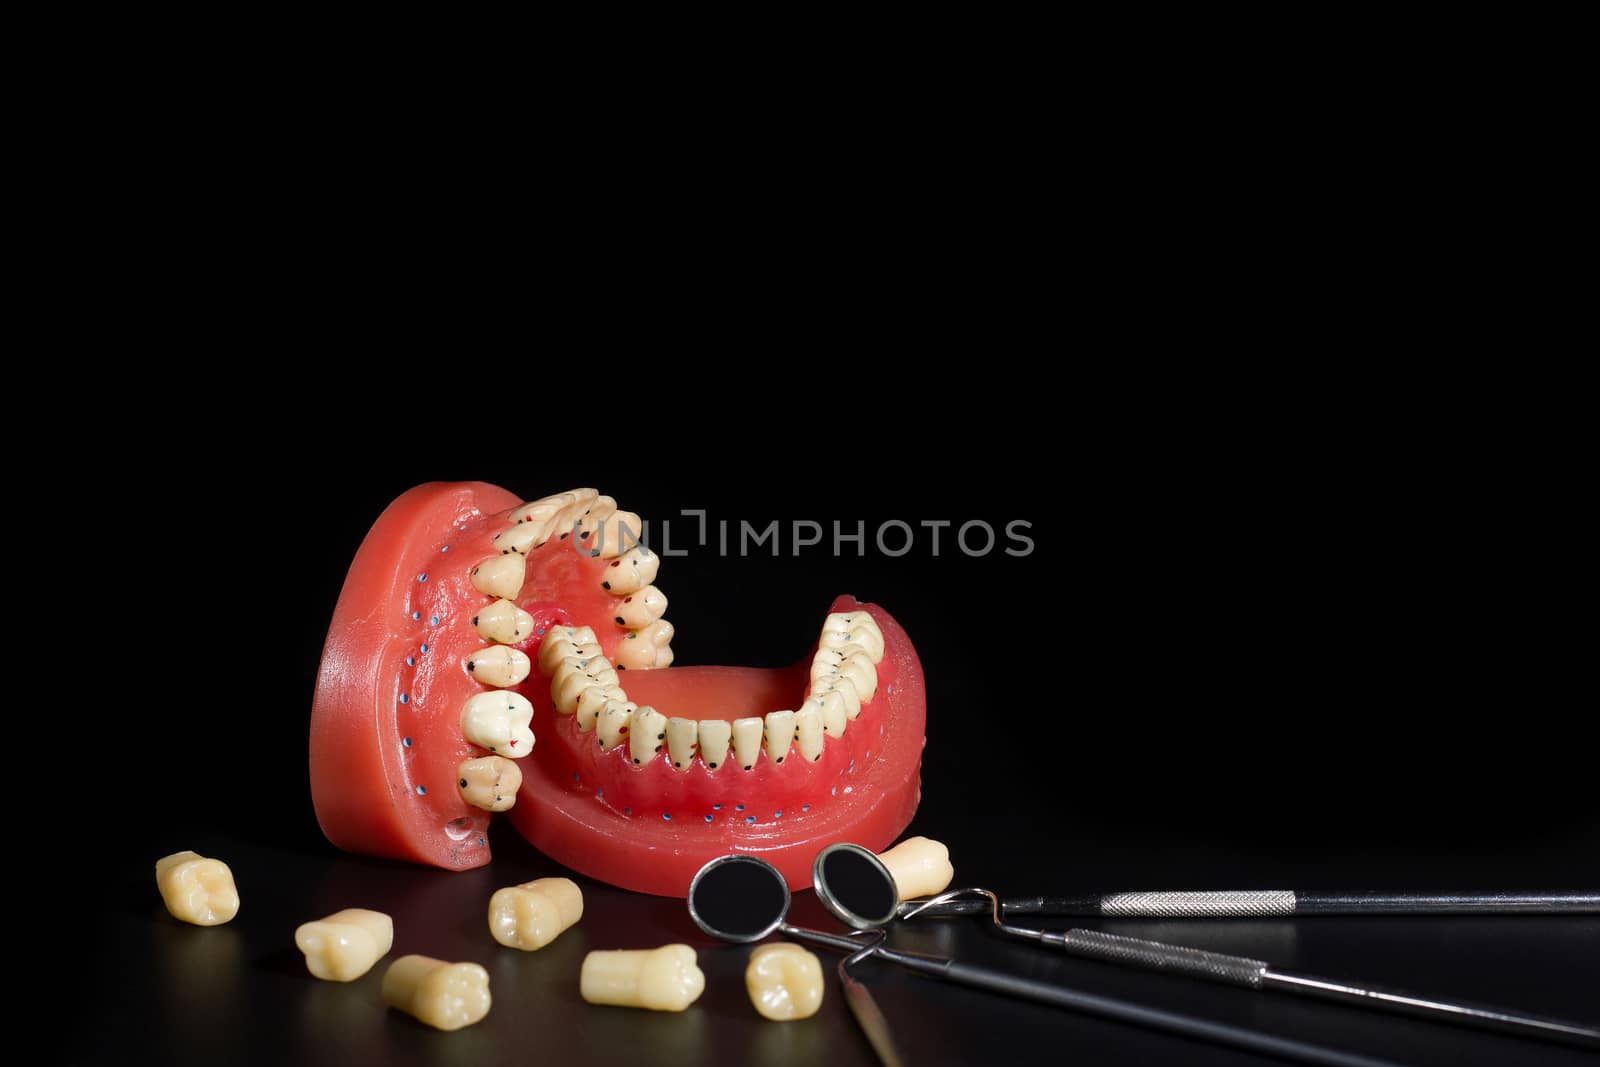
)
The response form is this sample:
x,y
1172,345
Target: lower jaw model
x,y
488,655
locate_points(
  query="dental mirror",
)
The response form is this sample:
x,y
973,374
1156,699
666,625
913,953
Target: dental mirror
x,y
738,898
855,886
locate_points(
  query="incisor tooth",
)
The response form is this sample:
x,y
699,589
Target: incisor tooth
x,y
663,657
779,734
921,867
635,654
499,665
500,576
631,571
498,721
592,699
545,508
808,732
522,538
446,996
649,734
681,736
345,945
575,674
590,518
503,622
662,979
196,889
714,734
530,916
747,741
844,687
853,627
613,723
489,782
561,642
642,608
784,982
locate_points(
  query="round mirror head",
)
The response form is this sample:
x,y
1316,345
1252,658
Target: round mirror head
x,y
855,886
738,898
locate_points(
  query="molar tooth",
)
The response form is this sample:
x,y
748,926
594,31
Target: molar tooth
x,y
662,979
531,915
854,627
562,641
612,725
500,576
345,945
747,741
844,688
808,732
779,734
642,608
631,571
503,622
921,867
851,662
592,699
196,889
498,721
446,996
649,733
681,737
619,532
784,981
489,782
714,734
634,653
575,674
664,657
499,665
660,632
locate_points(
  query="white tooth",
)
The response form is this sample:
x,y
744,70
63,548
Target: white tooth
x,y
779,735
747,741
662,979
808,732
567,521
531,915
649,733
784,982
575,674
545,508
635,654
618,533
503,622
854,627
612,725
196,889
489,782
522,538
851,662
846,690
631,571
499,665
498,721
500,576
446,996
588,522
921,867
592,699
345,945
660,632
642,608
562,641
714,734
681,737
664,657
831,707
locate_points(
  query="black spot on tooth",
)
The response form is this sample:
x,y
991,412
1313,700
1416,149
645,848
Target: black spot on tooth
x,y
658,748
660,737
778,760
620,622
605,585
474,620
713,766
463,783
471,665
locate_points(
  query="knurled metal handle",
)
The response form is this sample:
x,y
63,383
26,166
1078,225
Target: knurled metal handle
x,y
1194,962
1213,904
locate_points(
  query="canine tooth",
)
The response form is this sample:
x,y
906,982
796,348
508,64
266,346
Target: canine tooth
x,y
612,724
499,665
498,721
662,979
503,622
830,706
779,734
521,538
853,627
619,532
345,945
564,641
649,734
531,915
747,741
714,734
575,674
921,867
489,782
681,737
592,699
500,576
808,732
196,889
446,996
642,608
635,653
784,981
664,657
631,571
846,690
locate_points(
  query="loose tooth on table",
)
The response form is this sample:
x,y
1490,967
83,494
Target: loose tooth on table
x,y
500,576
613,723
574,674
592,699
631,571
531,915
503,622
662,979
641,608
345,945
921,867
648,736
784,982
807,732
714,735
446,996
681,737
499,665
747,741
498,721
489,782
196,889
618,533
779,735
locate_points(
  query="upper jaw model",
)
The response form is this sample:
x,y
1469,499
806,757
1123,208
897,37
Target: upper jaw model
x,y
488,654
